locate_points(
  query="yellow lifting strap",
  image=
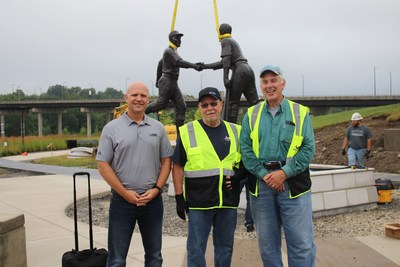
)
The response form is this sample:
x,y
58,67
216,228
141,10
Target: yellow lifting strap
x,y
174,15
215,15
216,19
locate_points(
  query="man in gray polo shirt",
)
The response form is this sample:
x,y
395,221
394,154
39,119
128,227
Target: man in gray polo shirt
x,y
134,159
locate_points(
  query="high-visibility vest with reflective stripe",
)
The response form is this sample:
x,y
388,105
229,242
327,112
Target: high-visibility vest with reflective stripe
x,y
203,161
298,112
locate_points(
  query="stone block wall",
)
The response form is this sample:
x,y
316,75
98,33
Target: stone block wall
x,y
12,241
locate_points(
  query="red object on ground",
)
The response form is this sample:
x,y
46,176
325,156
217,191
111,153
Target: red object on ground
x,y
24,154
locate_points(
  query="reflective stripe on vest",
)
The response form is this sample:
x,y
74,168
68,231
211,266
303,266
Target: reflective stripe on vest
x,y
298,115
232,130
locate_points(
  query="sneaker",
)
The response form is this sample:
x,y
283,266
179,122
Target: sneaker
x,y
249,228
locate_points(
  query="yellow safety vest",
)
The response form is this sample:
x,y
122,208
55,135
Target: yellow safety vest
x,y
298,115
203,161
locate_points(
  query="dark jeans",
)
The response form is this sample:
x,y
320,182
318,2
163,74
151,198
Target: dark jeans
x,y
248,218
122,221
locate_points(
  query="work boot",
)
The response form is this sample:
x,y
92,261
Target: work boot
x,y
249,228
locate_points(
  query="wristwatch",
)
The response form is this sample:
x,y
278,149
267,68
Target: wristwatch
x,y
160,191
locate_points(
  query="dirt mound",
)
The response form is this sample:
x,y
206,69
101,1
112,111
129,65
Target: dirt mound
x,y
329,140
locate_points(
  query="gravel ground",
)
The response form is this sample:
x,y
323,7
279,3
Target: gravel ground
x,y
358,223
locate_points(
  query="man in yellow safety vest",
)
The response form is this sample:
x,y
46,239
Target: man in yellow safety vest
x,y
207,181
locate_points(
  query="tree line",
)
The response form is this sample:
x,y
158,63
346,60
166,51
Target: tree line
x,y
73,121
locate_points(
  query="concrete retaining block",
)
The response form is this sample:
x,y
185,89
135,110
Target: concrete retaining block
x,y
344,181
357,196
372,194
12,241
317,202
364,179
335,199
322,183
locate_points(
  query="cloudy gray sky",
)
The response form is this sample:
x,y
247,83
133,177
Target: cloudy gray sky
x,y
333,45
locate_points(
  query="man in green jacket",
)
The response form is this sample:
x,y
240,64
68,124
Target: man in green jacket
x,y
277,146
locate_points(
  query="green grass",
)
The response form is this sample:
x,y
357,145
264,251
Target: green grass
x,y
391,112
15,145
86,162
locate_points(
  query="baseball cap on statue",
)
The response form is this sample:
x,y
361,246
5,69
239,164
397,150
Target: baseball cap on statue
x,y
274,69
174,33
210,91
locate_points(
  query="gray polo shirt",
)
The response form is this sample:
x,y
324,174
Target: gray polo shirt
x,y
134,151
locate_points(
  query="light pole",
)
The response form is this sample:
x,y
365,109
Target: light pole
x,y
374,80
201,81
63,89
40,90
302,76
390,81
152,87
126,83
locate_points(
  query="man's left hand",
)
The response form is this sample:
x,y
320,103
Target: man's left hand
x,y
276,180
147,196
232,180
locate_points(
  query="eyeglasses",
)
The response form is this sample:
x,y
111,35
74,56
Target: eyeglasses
x,y
212,104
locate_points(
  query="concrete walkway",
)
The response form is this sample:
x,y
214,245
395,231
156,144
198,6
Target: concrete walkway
x,y
49,232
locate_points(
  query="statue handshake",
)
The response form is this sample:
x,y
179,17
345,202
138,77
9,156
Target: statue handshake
x,y
200,66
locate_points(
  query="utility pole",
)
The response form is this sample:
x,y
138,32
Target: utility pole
x,y
374,80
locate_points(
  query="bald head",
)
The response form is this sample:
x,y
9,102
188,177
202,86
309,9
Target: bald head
x,y
137,85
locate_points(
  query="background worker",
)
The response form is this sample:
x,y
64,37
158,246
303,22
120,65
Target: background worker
x,y
358,140
248,218
205,160
277,145
134,159
167,80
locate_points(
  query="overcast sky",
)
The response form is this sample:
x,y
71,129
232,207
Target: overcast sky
x,y
332,45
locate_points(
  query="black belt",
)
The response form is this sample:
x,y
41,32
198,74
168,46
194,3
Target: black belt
x,y
274,165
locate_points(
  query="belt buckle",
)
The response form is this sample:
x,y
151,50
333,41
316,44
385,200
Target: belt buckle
x,y
271,165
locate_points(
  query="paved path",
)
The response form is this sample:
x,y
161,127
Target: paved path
x,y
49,232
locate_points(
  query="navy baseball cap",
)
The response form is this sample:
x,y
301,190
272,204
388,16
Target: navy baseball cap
x,y
274,69
211,91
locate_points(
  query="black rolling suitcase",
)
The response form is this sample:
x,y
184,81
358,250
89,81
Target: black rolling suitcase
x,y
92,257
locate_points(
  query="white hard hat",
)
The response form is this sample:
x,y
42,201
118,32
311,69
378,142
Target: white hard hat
x,y
356,117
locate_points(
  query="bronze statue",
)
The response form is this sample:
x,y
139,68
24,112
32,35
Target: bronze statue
x,y
167,80
242,79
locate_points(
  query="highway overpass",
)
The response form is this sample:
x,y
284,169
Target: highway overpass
x,y
317,104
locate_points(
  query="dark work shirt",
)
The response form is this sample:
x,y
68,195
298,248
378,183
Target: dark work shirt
x,y
218,136
358,136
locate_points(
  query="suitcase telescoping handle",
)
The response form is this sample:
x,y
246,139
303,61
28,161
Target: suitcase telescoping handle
x,y
76,214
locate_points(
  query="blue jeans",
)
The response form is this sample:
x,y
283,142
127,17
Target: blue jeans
x,y
248,218
273,210
122,221
223,222
356,156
